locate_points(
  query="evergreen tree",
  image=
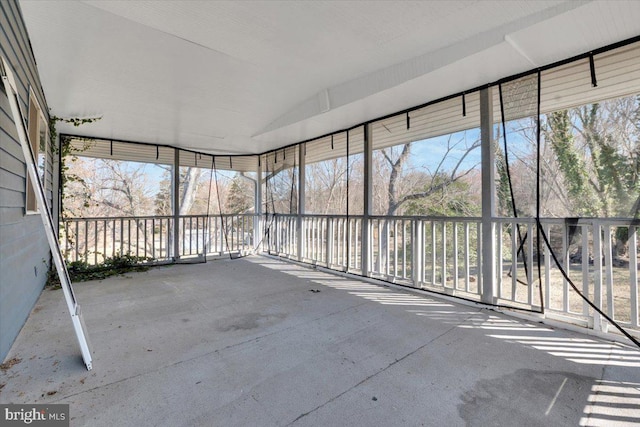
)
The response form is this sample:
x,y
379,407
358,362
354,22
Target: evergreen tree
x,y
240,197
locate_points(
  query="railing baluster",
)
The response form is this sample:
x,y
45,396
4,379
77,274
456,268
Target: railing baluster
x,y
190,235
395,247
597,283
480,279
182,236
310,252
307,225
380,255
329,244
633,275
343,242
547,271
314,231
317,227
104,241
351,252
95,242
86,241
530,264
404,249
317,231
387,240
565,266
585,268
455,255
212,235
608,265
500,252
66,241
467,250
417,252
514,261
444,254
145,253
137,223
433,253
220,234
161,240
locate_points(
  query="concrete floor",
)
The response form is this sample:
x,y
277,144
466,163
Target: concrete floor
x,y
249,343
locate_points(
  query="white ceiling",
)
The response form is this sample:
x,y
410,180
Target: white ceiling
x,y
245,77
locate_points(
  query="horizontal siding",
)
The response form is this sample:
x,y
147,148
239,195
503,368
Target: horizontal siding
x,y
11,216
13,165
24,250
9,145
30,61
10,180
20,53
11,199
22,274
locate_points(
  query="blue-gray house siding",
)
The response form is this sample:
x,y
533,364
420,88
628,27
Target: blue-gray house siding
x,y
24,252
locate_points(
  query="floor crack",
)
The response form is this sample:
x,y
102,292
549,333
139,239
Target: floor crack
x,y
396,361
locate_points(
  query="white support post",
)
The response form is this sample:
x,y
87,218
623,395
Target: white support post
x,y
301,200
488,197
365,248
176,204
47,219
257,219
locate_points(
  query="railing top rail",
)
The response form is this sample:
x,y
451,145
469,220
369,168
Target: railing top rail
x,y
111,218
508,220
428,218
572,221
217,215
331,216
108,218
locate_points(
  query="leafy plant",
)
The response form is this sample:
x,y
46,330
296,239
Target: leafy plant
x,y
81,271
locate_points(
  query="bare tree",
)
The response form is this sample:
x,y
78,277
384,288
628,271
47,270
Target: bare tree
x,y
438,179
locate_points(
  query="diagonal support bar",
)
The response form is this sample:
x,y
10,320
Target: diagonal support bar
x,y
72,303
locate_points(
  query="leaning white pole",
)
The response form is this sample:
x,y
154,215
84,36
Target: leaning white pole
x,y
72,303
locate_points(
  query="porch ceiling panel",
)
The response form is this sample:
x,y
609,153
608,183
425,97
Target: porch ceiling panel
x,y
247,77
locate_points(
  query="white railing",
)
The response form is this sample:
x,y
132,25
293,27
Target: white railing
x,y
586,252
443,254
281,235
440,254
153,238
92,240
332,241
216,235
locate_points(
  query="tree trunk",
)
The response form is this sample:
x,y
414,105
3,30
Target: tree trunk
x,y
189,188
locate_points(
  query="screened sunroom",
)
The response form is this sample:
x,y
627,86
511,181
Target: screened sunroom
x,y
504,195
348,213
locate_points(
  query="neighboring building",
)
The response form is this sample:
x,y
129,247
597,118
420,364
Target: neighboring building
x,y
24,251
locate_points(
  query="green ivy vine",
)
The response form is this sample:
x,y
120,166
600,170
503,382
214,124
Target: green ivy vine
x,y
64,148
